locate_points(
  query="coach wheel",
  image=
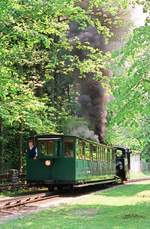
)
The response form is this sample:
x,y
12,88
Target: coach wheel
x,y
50,188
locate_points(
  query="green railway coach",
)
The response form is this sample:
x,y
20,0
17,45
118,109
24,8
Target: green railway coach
x,y
70,161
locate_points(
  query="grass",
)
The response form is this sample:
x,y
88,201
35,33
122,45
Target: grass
x,y
126,207
126,190
86,217
14,193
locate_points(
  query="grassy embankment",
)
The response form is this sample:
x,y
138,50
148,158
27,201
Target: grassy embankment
x,y
120,208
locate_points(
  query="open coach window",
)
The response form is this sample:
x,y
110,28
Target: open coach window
x,y
48,147
68,148
80,152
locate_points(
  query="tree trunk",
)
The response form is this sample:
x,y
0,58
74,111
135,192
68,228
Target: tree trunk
x,y
1,147
21,148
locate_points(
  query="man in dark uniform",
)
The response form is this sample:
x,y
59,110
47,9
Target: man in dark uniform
x,y
32,150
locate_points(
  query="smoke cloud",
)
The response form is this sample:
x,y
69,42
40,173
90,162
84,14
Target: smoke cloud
x,y
93,105
93,97
84,132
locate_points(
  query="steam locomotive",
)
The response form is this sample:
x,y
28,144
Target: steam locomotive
x,y
70,161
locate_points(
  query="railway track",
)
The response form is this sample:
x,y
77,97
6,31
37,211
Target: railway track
x,y
31,198
20,201
6,204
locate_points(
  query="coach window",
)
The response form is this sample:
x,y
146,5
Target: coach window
x,y
100,153
103,154
80,151
42,146
110,155
51,147
107,158
87,152
68,148
91,151
98,150
106,154
47,148
113,154
94,152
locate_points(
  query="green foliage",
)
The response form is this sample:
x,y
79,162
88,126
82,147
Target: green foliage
x,y
36,52
39,69
129,111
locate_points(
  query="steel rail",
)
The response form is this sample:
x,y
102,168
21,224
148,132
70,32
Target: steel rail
x,y
22,201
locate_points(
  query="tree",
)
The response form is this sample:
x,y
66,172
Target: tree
x,y
42,60
129,111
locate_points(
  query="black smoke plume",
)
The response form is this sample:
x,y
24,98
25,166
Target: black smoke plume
x,y
93,98
93,105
